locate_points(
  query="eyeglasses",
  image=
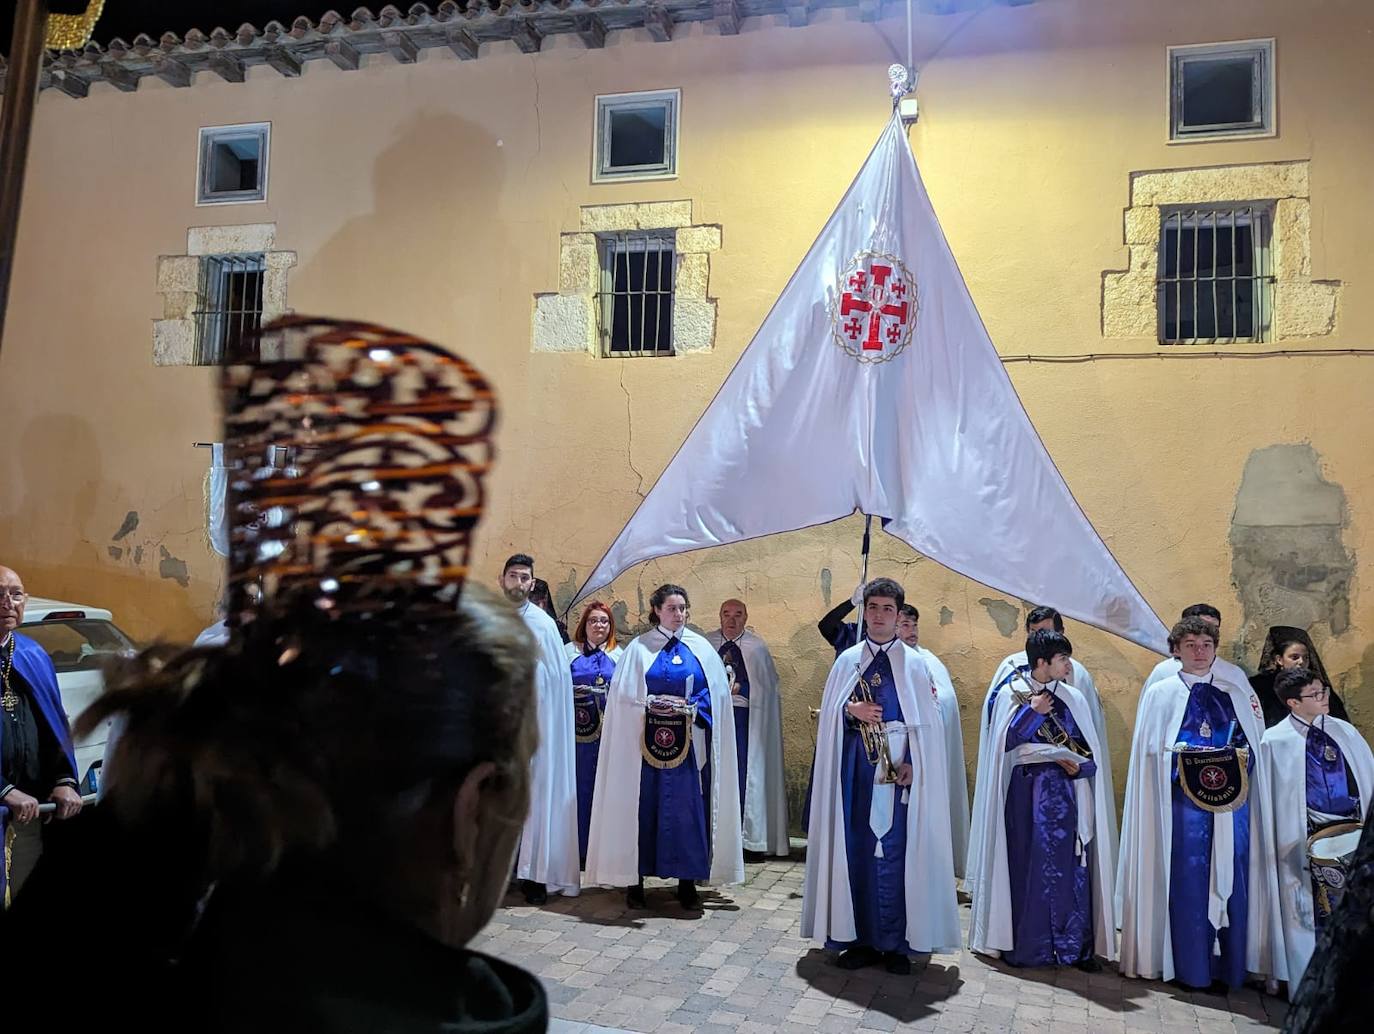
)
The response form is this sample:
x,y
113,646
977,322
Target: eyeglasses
x,y
15,596
1320,694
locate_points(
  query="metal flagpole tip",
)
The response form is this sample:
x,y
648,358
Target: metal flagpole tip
x,y
898,81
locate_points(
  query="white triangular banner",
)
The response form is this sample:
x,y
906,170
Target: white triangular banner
x,y
873,386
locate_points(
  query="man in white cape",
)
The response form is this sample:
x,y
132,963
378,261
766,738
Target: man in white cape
x,y
909,631
1039,619
548,846
1193,880
1318,775
1049,856
1232,673
613,844
758,730
879,870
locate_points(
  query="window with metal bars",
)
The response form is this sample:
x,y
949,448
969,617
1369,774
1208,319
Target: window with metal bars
x,y
229,314
1216,279
635,303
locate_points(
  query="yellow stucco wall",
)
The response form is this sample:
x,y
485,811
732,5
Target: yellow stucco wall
x,y
432,196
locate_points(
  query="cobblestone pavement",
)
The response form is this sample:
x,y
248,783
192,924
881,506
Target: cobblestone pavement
x,y
742,968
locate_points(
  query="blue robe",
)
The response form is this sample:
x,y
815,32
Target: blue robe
x,y
590,672
1006,681
1193,936
32,664
877,886
731,656
1051,890
674,827
1332,793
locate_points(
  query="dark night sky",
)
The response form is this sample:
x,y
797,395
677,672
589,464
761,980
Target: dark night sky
x,y
127,18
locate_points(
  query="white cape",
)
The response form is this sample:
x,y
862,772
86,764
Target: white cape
x,y
1142,881
765,789
1283,758
613,840
548,845
932,910
1082,681
991,920
948,701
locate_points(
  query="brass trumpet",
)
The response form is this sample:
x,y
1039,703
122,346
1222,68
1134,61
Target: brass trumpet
x,y
875,736
1058,736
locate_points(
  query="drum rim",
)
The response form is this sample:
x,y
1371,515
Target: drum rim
x,y
1334,830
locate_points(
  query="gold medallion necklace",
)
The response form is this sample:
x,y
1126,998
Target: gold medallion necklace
x,y
9,699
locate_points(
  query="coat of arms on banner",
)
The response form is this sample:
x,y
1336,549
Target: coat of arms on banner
x,y
875,312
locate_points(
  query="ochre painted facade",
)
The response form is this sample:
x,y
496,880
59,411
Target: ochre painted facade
x,y
433,196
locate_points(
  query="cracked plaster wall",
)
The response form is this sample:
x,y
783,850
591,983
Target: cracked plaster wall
x,y
430,197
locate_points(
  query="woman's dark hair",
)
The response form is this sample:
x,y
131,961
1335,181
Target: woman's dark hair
x,y
1044,645
660,597
887,589
1040,614
1288,685
303,730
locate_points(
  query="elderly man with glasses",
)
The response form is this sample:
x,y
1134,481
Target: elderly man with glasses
x,y
36,759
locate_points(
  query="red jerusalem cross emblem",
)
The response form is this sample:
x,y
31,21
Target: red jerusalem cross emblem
x,y
875,312
664,737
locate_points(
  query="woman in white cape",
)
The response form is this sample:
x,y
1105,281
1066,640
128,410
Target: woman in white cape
x,y
1308,743
644,815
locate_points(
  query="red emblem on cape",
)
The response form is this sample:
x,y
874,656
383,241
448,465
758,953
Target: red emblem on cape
x,y
664,738
1212,777
1255,706
874,314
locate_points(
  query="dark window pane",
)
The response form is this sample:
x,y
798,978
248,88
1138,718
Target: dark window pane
x,y
1218,91
640,309
234,165
637,137
1245,309
1169,293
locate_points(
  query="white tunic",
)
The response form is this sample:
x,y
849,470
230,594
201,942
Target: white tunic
x,y
948,701
932,910
991,920
765,790
1283,758
548,845
1142,883
613,839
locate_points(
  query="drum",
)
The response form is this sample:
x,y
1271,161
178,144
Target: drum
x,y
1329,854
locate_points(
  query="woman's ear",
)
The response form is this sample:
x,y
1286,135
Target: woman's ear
x,y
467,810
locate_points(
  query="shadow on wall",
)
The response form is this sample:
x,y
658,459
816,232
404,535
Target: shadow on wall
x,y
414,263
58,518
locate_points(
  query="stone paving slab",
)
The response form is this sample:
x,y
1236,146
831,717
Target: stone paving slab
x,y
741,967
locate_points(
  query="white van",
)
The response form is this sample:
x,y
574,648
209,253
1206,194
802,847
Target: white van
x,y
78,639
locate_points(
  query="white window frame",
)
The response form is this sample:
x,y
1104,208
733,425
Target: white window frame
x,y
209,136
1265,124
602,171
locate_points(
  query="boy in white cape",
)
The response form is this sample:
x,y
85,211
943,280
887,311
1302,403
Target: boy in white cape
x,y
1048,866
1318,772
879,867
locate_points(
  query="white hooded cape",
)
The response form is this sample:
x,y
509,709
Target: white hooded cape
x,y
765,789
991,920
954,756
1082,681
613,840
1142,881
932,911
548,845
1283,758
